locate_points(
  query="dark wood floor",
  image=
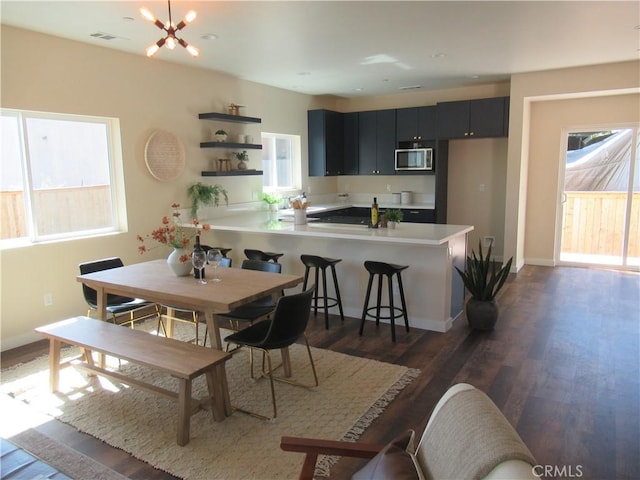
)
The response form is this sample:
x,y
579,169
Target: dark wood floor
x,y
563,364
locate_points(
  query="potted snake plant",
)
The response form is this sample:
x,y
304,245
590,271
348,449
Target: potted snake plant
x,y
483,278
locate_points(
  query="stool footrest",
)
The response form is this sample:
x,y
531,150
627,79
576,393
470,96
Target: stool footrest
x,y
328,302
387,317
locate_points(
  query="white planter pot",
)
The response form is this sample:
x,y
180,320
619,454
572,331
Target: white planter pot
x,y
177,265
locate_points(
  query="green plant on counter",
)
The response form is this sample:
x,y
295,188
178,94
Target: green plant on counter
x,y
270,199
393,215
201,194
482,277
221,132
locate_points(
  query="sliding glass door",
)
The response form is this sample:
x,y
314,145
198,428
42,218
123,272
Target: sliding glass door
x,y
601,199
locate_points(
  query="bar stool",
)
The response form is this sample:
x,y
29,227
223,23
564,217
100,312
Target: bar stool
x,y
322,263
388,270
252,254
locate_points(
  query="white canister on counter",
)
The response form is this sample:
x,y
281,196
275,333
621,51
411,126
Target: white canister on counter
x,y
248,139
299,216
406,197
395,198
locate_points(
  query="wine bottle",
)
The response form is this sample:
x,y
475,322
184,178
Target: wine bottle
x,y
197,248
374,213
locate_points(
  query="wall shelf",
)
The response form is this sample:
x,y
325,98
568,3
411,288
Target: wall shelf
x,y
225,117
241,146
232,173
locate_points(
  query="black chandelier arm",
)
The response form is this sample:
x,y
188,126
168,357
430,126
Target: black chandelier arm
x,y
159,24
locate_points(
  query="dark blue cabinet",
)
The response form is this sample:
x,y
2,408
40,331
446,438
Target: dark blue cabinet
x,y
416,124
351,151
486,117
326,140
377,142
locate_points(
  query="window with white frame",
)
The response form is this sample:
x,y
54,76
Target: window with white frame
x,y
61,176
281,157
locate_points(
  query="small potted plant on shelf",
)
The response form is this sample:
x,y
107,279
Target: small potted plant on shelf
x,y
243,157
221,136
483,278
201,194
393,216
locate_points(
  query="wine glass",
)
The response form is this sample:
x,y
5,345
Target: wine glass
x,y
213,258
199,260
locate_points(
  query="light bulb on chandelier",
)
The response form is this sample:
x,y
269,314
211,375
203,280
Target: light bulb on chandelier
x,y
171,39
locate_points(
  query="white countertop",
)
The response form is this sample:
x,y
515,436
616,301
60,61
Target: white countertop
x,y
406,233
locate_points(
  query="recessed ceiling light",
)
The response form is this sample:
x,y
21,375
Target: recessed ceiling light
x,y
474,76
209,36
438,55
358,89
410,87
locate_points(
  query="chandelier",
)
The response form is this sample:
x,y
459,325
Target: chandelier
x,y
170,39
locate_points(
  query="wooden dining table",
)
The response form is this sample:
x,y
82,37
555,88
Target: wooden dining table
x,y
155,282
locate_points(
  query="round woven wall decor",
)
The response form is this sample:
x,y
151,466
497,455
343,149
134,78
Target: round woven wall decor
x,y
164,155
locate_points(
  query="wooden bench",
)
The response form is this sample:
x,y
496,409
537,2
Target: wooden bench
x,y
182,360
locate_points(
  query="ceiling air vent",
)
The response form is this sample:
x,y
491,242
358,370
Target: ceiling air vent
x,y
410,87
103,36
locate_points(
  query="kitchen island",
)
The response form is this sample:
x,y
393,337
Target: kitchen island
x,y
433,289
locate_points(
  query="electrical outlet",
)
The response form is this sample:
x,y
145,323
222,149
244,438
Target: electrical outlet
x,y
255,195
48,299
388,187
481,188
488,241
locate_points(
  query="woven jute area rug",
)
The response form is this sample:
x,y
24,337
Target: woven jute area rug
x,y
353,392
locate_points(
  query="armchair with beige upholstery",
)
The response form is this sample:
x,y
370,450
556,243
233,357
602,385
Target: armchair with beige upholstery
x,y
466,437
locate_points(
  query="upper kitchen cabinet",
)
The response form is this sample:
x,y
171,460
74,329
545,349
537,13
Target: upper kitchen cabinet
x,y
326,143
350,151
487,117
416,123
377,142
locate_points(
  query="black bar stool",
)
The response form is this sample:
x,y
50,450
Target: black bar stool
x,y
252,254
389,270
321,263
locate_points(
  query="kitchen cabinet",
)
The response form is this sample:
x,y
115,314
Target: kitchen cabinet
x,y
326,142
224,117
412,215
377,142
487,117
416,123
350,151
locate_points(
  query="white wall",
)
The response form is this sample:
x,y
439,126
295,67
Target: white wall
x,y
584,82
47,73
546,155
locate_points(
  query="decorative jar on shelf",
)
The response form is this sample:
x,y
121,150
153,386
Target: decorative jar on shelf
x,y
221,136
179,262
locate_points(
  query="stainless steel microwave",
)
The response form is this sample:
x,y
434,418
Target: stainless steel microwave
x,y
414,159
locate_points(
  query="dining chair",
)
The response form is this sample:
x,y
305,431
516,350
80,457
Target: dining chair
x,y
117,305
289,323
258,309
188,315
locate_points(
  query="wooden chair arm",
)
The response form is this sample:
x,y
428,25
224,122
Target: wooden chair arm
x,y
313,447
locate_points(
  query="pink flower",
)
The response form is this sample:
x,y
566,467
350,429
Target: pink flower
x,y
172,234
